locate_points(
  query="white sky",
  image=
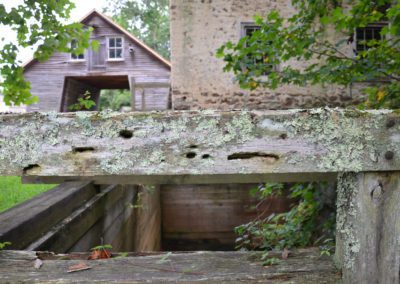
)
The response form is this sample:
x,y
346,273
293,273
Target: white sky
x,y
82,8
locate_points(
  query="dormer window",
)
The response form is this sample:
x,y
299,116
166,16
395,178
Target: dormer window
x,y
74,56
115,48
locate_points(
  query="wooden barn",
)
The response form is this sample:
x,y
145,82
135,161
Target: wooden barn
x,y
121,62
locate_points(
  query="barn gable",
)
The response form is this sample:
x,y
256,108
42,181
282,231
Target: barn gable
x,y
60,80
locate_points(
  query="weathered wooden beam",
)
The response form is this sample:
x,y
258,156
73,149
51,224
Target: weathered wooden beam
x,y
368,227
199,147
302,266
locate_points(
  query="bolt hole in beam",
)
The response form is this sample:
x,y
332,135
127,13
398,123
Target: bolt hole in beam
x,y
82,149
126,134
191,155
30,168
251,155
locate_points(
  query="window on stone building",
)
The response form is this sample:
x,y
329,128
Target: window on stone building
x,y
247,30
365,35
371,32
115,48
76,57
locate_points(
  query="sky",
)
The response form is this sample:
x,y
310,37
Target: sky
x,y
82,8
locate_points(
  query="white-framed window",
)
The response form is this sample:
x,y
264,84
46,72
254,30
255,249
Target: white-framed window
x,y
76,57
247,29
115,48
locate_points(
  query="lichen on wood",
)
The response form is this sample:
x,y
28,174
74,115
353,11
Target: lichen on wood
x,y
196,146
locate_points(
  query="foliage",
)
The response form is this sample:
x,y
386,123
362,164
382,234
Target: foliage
x,y
102,247
306,36
148,20
4,244
115,99
295,228
84,103
37,24
13,192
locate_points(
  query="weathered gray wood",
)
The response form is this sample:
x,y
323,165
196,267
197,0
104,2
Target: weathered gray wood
x,y
199,147
77,227
304,266
25,222
203,217
147,231
110,227
368,227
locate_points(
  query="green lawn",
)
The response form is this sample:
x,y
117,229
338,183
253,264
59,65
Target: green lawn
x,y
12,191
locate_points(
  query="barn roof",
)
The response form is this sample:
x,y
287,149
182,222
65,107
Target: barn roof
x,y
147,48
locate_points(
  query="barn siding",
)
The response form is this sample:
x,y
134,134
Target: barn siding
x,y
47,78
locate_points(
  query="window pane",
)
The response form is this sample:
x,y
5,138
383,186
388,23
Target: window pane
x,y
112,42
112,53
368,34
118,53
73,44
119,42
81,56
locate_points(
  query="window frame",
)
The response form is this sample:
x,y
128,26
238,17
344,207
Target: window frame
x,y
380,25
77,59
244,26
122,58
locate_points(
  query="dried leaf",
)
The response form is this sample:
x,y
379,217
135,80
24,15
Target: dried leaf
x,y
285,253
78,267
99,254
38,263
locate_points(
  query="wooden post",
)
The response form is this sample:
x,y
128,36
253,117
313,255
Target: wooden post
x,y
133,90
143,99
148,219
368,227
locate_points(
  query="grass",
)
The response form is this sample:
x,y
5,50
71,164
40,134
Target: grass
x,y
13,192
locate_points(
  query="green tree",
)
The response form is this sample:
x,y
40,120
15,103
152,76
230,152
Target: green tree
x,y
307,36
115,99
36,24
148,20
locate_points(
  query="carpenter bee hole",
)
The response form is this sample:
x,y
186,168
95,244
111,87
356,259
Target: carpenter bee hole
x,y
82,149
191,155
126,134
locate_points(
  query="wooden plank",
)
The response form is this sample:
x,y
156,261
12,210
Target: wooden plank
x,y
108,229
204,216
27,221
147,233
70,230
199,147
303,266
368,227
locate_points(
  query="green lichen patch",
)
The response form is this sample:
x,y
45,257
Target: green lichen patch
x,y
347,211
346,141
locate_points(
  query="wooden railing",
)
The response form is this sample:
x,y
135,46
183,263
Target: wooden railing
x,y
358,148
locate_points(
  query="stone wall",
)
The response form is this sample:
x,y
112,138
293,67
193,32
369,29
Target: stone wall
x,y
198,29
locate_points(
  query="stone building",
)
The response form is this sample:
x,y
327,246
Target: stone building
x,y
199,28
